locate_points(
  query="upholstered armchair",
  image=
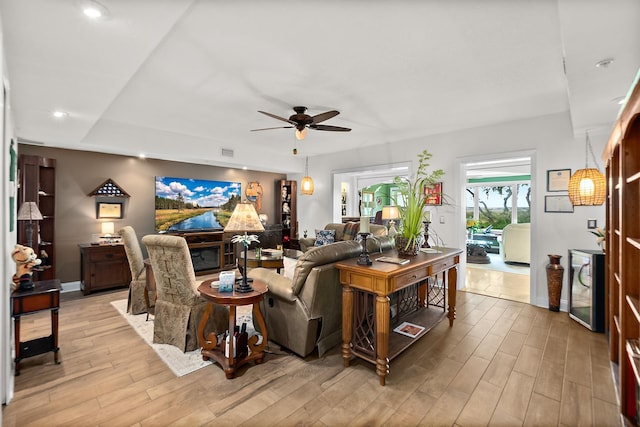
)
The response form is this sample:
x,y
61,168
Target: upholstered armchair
x,y
136,303
179,307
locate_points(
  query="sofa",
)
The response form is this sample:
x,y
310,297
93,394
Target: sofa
x,y
343,232
304,311
516,243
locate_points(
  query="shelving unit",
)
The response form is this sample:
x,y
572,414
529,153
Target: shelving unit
x,y
286,206
37,180
623,253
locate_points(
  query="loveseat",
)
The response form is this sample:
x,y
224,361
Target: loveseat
x,y
343,232
304,311
516,243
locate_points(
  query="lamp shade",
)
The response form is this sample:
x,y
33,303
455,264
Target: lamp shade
x,y
108,228
29,211
306,185
244,218
390,212
587,187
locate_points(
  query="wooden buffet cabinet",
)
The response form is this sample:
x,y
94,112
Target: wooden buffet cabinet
x,y
103,267
622,254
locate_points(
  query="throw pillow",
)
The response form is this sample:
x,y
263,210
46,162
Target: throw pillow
x,y
350,230
325,237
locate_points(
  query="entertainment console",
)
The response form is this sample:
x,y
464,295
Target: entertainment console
x,y
211,252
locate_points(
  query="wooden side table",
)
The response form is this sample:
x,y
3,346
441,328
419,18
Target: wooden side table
x,y
211,348
44,296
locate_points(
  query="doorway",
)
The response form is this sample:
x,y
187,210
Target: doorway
x,y
497,194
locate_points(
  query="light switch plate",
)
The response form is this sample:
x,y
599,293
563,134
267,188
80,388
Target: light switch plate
x,y
442,220
592,223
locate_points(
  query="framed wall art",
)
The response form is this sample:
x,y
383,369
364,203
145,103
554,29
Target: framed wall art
x,y
109,210
433,194
558,204
558,179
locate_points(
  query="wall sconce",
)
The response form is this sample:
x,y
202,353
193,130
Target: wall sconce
x,y
587,187
306,185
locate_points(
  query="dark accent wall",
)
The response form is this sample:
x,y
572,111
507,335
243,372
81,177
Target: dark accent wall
x,y
80,172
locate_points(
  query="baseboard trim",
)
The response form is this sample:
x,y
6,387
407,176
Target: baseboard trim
x,y
70,287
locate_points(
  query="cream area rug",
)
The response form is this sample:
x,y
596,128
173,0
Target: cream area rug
x,y
180,363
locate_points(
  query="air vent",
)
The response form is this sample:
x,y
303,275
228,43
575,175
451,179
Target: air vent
x,y
227,152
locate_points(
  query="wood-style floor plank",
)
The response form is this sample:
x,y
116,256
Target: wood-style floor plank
x,y
502,363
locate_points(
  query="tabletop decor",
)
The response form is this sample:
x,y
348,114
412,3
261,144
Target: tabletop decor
x,y
412,202
243,219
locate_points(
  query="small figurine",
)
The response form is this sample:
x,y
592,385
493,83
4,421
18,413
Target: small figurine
x,y
25,259
44,257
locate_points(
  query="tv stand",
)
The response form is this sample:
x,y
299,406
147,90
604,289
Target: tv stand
x,y
211,251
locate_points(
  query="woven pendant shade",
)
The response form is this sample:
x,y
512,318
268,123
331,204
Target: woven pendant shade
x,y
587,187
306,185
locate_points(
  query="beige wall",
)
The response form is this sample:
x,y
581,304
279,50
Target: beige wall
x,y
79,172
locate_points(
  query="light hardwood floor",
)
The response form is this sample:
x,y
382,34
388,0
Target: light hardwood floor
x,y
502,363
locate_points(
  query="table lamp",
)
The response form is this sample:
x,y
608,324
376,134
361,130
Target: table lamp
x,y
243,219
29,212
108,228
391,213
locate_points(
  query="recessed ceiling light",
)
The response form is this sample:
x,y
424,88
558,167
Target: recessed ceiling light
x,y
94,10
60,114
604,63
142,156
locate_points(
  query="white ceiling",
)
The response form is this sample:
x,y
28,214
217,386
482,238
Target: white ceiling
x,y
183,79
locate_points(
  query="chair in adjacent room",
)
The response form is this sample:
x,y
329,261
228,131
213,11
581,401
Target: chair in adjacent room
x,y
138,302
179,307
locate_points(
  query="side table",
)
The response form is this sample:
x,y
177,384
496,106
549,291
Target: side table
x,y
211,348
44,296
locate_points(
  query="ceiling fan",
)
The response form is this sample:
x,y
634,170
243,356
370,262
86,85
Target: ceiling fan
x,y
301,121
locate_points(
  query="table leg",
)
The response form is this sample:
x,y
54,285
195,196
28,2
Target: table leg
x,y
258,350
452,279
382,337
16,333
347,324
207,342
54,333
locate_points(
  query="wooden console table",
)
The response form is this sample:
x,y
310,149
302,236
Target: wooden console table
x,y
44,296
211,348
378,297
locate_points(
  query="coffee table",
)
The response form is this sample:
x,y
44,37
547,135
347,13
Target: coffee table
x,y
269,261
211,348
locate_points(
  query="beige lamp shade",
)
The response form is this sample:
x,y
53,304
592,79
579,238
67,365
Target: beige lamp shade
x,y
108,228
587,187
390,212
244,218
29,211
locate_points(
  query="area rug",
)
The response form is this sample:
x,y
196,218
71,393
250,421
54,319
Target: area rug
x,y
180,363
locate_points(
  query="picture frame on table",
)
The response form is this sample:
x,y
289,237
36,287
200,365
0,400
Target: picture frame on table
x,y
433,194
112,210
558,180
561,204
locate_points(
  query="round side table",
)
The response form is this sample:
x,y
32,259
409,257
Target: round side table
x,y
211,348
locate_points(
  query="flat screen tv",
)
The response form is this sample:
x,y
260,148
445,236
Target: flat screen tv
x,y
190,205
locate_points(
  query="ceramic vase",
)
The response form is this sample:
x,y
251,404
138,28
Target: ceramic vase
x,y
555,272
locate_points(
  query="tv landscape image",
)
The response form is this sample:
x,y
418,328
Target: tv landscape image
x,y
184,204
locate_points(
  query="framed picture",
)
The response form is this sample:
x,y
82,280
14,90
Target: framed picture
x,y
433,194
558,179
108,210
558,204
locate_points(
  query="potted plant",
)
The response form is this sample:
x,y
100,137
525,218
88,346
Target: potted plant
x,y
410,236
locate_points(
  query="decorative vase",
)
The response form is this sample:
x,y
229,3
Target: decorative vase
x,y
412,249
555,271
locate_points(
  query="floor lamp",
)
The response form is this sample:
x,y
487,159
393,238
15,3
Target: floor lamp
x,y
244,219
29,212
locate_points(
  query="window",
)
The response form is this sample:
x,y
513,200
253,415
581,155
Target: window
x,y
498,205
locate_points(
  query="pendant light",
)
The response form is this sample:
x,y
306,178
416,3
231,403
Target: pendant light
x,y
306,185
587,187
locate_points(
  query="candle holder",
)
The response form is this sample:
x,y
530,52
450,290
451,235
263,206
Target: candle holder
x,y
426,234
363,259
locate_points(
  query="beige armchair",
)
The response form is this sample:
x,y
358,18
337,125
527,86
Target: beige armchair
x,y
179,307
136,303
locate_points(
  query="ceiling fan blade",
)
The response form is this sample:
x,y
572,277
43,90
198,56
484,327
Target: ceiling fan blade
x,y
330,128
279,127
277,117
324,116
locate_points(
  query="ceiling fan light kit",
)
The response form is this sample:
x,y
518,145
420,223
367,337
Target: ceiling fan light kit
x,y
301,121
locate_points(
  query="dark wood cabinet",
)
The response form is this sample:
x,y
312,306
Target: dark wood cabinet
x,y
103,267
286,209
37,180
